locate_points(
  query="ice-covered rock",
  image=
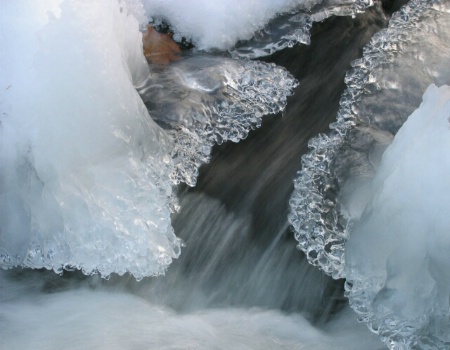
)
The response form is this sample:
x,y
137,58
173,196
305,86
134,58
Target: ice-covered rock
x,y
398,268
249,29
84,179
221,23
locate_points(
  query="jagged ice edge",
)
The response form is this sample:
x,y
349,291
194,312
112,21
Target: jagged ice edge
x,y
258,96
319,226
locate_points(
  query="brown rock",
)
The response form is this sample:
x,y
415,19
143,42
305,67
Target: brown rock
x,y
160,48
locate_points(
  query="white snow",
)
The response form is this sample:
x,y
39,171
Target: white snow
x,y
219,23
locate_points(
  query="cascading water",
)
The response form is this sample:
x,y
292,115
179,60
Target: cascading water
x,y
95,145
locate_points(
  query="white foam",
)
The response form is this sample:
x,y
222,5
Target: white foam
x,y
104,319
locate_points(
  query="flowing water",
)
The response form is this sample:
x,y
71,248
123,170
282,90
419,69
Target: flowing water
x,y
240,281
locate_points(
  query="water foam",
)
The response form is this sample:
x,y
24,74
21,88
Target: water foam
x,y
90,316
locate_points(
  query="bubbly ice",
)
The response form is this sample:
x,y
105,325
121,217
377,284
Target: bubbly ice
x,y
293,27
205,100
84,181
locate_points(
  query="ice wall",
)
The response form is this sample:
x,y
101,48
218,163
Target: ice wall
x,y
84,180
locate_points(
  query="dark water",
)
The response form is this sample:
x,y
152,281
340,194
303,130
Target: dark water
x,y
239,249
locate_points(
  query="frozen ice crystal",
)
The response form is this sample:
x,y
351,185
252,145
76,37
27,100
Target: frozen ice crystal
x,y
205,100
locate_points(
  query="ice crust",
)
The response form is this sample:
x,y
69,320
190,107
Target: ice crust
x,y
205,100
84,181
333,188
293,27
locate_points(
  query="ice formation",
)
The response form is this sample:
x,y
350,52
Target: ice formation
x,y
85,171
79,146
397,268
204,100
219,24
293,27
333,188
